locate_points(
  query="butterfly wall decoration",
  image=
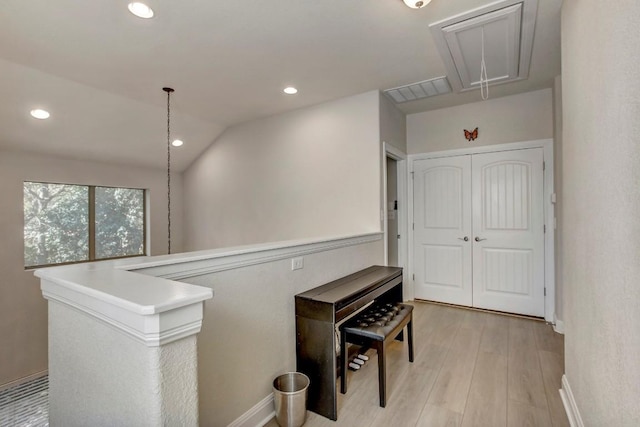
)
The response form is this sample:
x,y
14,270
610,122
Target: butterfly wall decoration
x,y
470,136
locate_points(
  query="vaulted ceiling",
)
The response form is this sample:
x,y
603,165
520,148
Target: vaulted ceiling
x,y
100,70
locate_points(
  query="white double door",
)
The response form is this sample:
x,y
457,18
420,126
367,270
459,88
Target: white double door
x,y
479,230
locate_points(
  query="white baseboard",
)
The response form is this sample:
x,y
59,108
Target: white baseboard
x,y
558,325
259,415
575,420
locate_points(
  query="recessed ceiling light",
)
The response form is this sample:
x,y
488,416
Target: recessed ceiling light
x,y
141,10
40,114
290,90
177,143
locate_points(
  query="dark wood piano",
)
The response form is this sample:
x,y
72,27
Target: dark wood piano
x,y
317,313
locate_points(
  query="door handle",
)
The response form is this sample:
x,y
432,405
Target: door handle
x,y
477,239
465,238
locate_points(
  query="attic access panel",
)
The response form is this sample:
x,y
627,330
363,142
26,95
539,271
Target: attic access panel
x,y
508,28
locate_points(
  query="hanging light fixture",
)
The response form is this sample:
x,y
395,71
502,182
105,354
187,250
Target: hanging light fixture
x,y
169,91
416,4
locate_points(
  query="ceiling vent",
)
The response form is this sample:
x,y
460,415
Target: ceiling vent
x,y
507,28
415,91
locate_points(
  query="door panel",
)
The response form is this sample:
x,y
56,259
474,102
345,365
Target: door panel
x,y
508,261
505,196
442,265
509,270
442,214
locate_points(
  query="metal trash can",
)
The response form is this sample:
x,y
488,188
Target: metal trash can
x,y
290,398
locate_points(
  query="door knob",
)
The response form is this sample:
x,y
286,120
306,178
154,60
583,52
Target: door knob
x,y
477,239
465,238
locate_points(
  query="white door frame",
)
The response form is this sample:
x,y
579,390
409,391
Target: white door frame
x,y
549,216
389,150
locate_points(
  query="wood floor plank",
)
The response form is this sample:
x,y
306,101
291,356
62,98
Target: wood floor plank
x,y
432,356
405,402
523,415
446,325
493,320
547,339
495,340
473,319
433,415
552,367
521,334
451,387
526,386
487,400
525,383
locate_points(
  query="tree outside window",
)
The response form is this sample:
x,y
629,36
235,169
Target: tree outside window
x,y
75,223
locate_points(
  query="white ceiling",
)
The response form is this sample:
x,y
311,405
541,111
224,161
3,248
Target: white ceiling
x,y
100,70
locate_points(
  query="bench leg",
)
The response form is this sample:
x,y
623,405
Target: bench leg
x,y
410,333
382,373
344,360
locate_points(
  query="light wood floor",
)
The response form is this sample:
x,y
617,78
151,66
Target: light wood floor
x,y
471,369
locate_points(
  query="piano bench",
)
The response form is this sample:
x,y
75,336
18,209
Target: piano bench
x,y
376,326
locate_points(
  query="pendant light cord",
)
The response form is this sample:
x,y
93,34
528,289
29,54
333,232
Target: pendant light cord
x,y
484,81
168,90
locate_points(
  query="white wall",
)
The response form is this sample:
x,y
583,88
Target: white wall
x,y
524,117
248,333
601,221
23,310
311,172
393,124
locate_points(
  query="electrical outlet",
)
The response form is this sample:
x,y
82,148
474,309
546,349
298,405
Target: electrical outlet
x,y
297,263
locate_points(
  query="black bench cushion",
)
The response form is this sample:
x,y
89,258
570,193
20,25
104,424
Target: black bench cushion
x,y
378,321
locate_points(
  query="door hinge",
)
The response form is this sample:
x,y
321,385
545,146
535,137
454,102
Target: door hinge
x,y
544,228
545,292
544,165
413,226
398,237
413,276
411,175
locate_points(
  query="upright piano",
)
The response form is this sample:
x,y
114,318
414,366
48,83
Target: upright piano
x,y
319,310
